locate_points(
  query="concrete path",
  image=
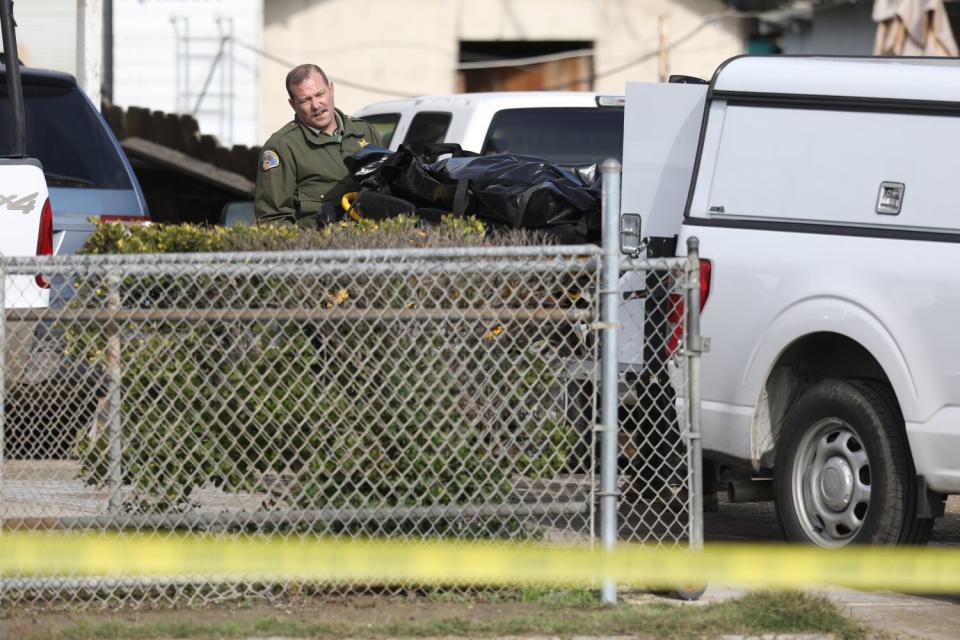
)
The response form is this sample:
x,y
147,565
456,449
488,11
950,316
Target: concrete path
x,y
902,615
891,615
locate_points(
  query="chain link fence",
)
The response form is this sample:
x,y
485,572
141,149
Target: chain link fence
x,y
408,394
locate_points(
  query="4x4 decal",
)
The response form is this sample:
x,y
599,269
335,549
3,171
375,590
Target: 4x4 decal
x,y
25,204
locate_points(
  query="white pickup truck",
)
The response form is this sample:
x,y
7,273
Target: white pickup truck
x,y
27,219
822,191
563,127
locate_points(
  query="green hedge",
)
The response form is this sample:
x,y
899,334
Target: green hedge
x,y
401,231
378,413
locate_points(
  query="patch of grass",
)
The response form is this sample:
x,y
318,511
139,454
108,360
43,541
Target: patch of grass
x,y
574,597
548,596
755,614
766,609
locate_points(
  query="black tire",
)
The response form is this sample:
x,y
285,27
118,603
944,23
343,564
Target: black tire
x,y
688,593
916,531
843,470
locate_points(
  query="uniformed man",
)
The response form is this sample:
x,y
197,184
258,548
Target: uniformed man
x,y
302,177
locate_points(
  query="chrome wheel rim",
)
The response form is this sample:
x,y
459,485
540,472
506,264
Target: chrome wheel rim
x,y
831,483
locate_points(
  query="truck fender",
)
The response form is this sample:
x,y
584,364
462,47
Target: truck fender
x,y
824,314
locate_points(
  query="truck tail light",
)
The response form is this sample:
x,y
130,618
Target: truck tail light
x,y
706,271
45,239
676,313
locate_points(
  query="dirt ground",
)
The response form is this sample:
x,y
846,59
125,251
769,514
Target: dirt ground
x,y
28,621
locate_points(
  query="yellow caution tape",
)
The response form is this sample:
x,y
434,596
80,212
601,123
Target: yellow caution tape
x,y
441,562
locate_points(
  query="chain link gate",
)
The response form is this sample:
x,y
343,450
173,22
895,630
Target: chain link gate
x,y
650,364
658,409
405,394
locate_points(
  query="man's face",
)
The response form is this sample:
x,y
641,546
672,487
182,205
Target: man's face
x,y
312,101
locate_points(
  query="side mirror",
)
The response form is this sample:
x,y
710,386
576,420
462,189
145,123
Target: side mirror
x,y
631,242
235,213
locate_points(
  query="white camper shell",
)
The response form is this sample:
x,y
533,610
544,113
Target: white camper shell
x,y
824,192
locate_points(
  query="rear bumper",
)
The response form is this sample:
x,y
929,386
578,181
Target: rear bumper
x,y
935,445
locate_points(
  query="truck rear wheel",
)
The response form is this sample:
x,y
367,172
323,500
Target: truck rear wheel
x,y
843,470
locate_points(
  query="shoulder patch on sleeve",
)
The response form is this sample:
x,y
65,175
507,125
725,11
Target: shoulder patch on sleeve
x,y
269,159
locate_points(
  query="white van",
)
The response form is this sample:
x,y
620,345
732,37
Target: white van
x,y
823,192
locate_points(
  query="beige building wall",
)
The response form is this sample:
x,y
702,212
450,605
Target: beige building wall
x,y
381,49
627,43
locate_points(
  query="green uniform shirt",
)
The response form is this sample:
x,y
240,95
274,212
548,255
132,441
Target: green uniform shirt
x,y
302,169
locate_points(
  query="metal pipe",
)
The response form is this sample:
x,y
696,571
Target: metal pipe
x,y
3,379
757,490
178,63
313,268
18,127
112,314
653,264
693,351
114,405
107,52
609,378
297,517
354,256
206,83
73,584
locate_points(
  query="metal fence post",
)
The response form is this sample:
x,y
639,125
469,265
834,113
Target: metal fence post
x,y
113,364
3,379
609,306
694,349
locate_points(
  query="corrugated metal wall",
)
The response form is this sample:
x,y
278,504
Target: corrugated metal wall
x,y
47,33
154,68
147,59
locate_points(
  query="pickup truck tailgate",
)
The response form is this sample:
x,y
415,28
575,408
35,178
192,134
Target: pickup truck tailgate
x,y
23,192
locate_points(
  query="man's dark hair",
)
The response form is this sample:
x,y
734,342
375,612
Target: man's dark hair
x,y
300,73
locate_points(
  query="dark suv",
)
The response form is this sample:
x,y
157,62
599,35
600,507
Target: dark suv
x,y
87,171
88,176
